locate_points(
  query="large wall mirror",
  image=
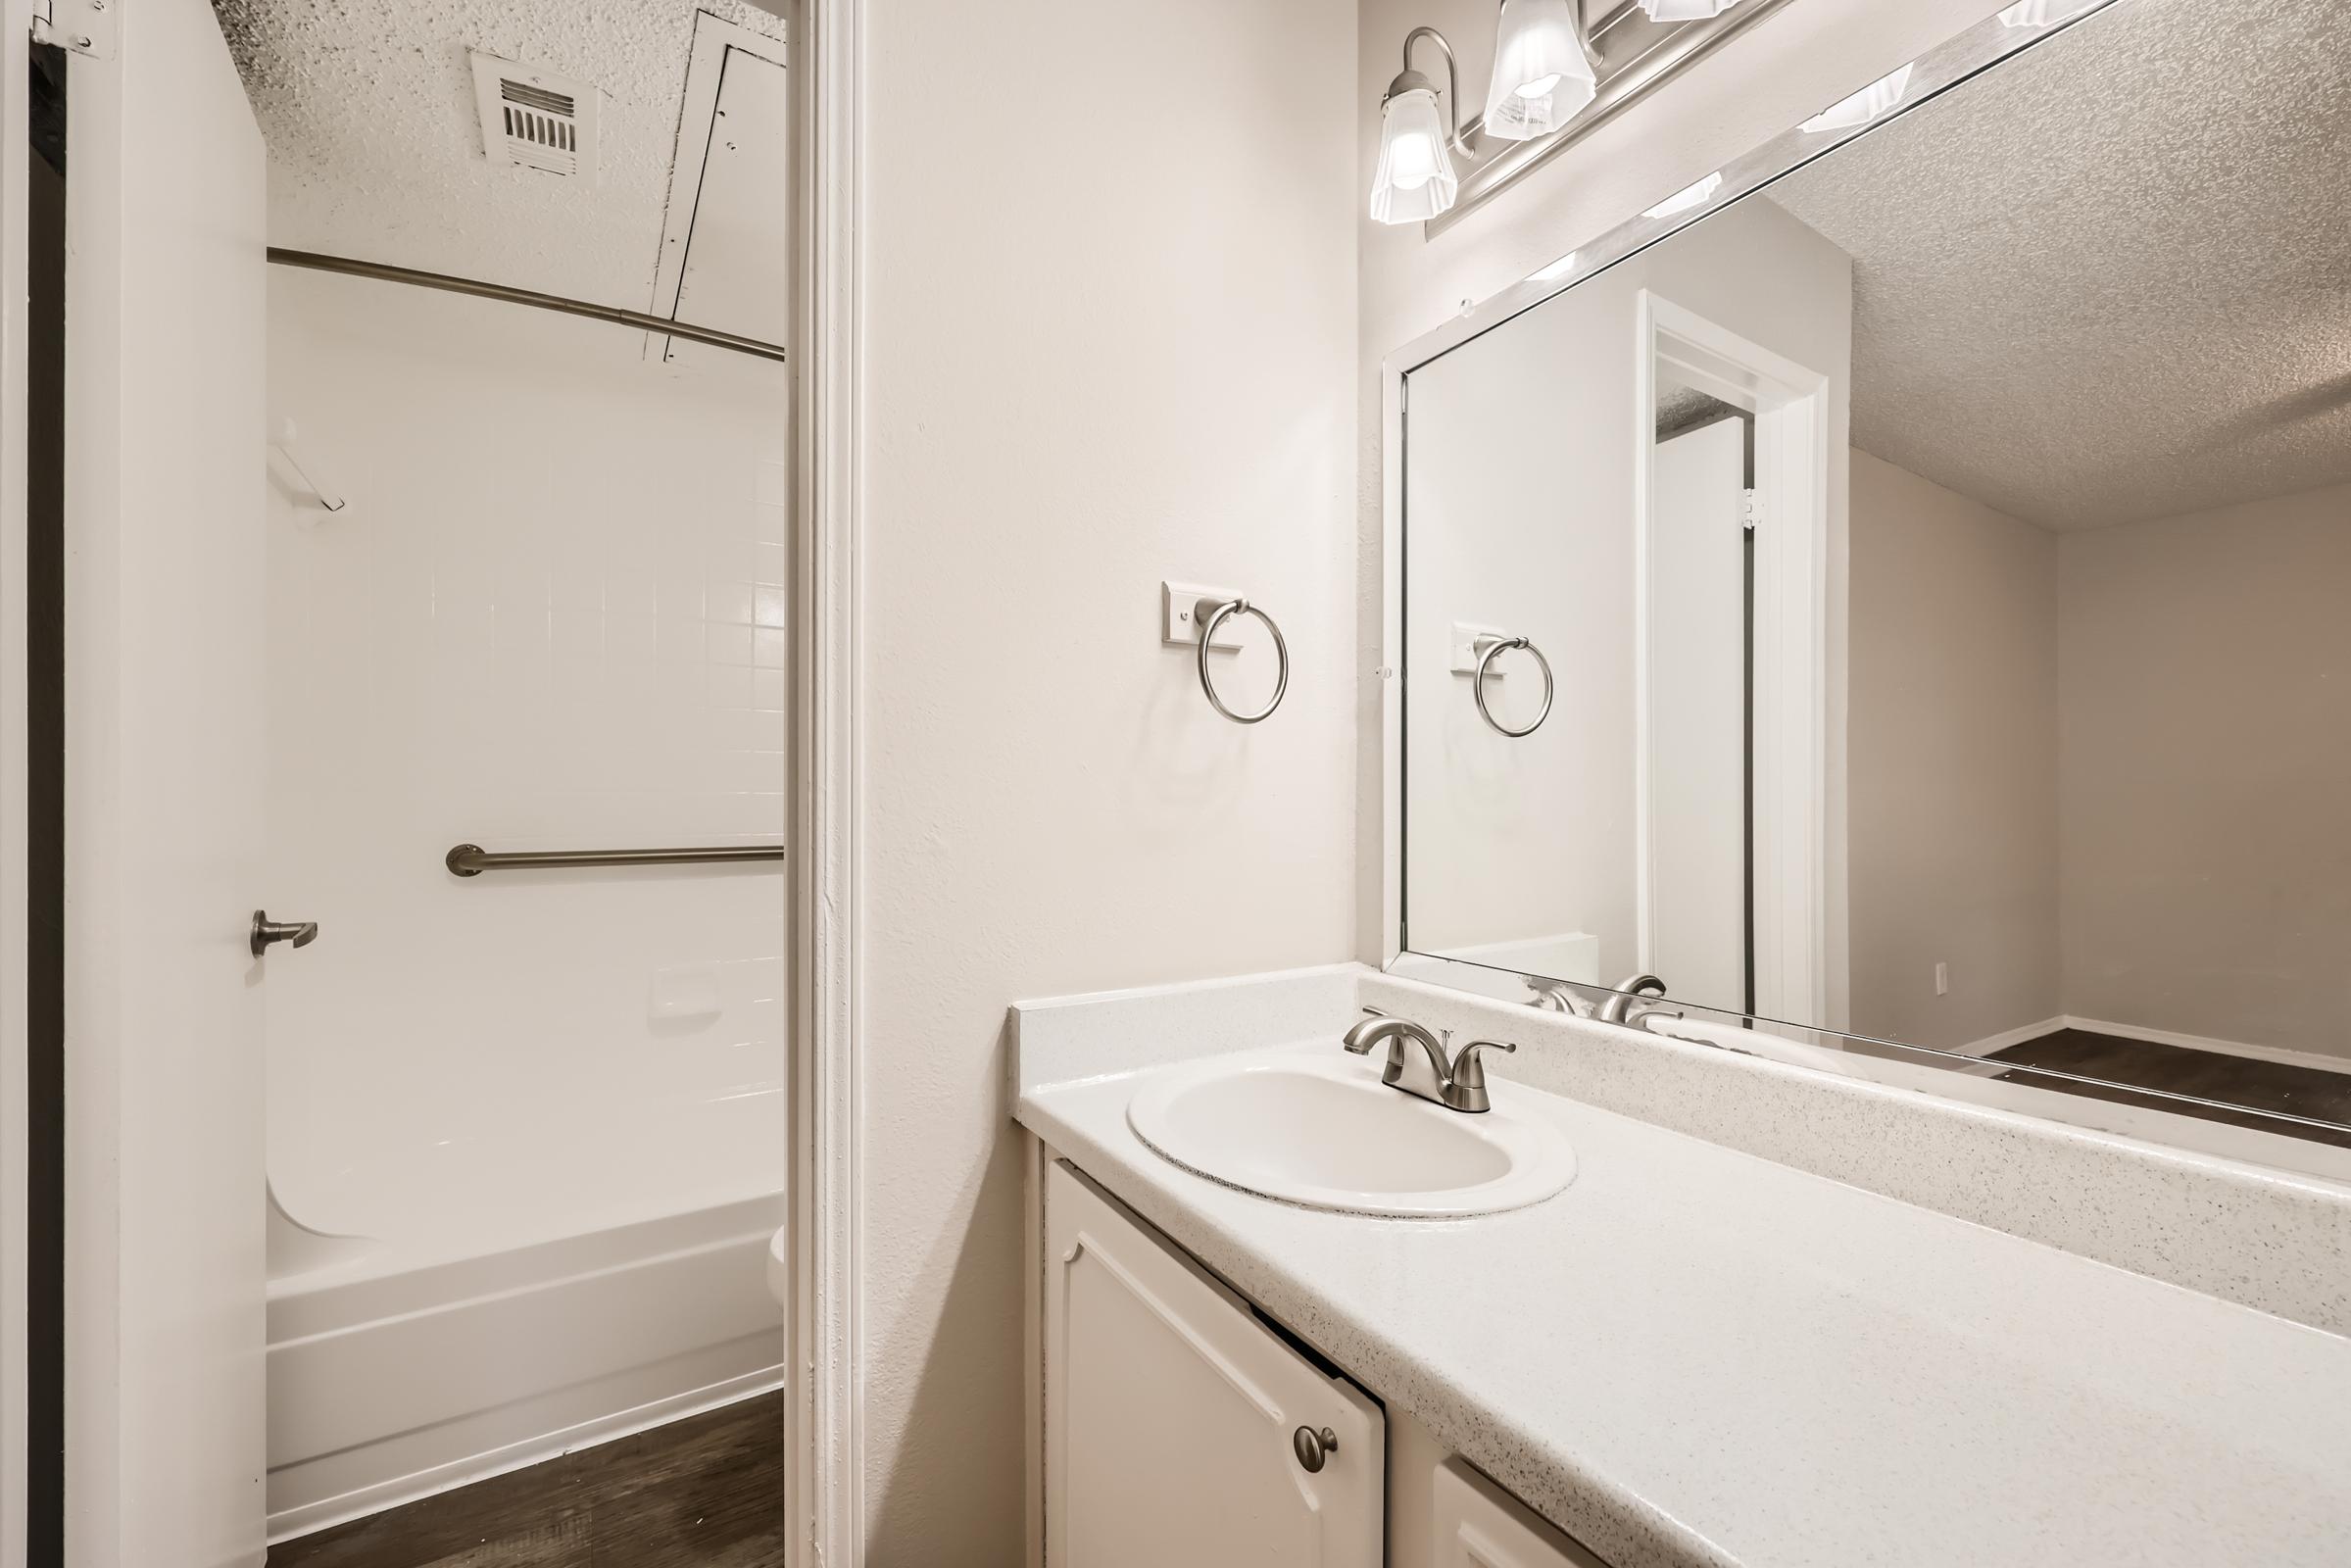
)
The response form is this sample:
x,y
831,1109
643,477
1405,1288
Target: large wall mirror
x,y
1911,603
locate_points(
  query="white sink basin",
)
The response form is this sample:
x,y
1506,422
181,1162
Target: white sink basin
x,y
1330,1135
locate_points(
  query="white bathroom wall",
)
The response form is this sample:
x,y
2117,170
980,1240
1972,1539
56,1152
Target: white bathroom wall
x,y
1954,842
1520,515
1782,69
1128,360
1093,363
552,616
2206,763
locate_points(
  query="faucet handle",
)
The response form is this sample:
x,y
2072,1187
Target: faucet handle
x,y
1467,1089
1468,1071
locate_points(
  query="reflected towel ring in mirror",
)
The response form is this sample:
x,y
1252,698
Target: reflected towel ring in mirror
x,y
1488,647
1212,613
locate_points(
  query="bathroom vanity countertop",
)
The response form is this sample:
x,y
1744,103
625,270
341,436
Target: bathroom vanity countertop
x,y
1695,1356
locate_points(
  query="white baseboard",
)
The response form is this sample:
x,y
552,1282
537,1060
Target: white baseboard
x,y
2011,1037
2227,1048
2155,1036
321,1515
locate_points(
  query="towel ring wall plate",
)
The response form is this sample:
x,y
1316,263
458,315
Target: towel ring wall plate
x,y
1488,647
1212,613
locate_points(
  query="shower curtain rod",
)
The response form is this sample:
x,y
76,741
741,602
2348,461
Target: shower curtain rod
x,y
387,274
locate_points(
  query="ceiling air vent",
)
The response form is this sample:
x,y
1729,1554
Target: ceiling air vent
x,y
533,118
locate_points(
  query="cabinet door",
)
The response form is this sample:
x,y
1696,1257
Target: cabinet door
x,y
1479,1525
1170,1414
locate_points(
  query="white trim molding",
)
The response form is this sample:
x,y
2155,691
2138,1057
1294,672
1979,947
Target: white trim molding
x,y
823,1485
1790,404
290,1523
2012,1037
16,32
2285,1054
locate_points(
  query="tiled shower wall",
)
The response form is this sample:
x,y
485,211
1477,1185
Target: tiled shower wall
x,y
552,616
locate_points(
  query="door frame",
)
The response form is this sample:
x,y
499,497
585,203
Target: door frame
x,y
825,1437
824,1487
16,1351
1790,403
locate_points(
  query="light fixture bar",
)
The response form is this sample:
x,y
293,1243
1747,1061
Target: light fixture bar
x,y
1638,55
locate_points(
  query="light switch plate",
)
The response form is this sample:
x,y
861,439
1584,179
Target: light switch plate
x,y
1464,642
1176,606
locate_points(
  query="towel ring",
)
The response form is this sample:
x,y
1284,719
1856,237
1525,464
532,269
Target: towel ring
x,y
1500,645
1211,614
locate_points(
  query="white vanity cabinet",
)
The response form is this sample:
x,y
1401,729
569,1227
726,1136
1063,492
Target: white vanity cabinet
x,y
1473,1523
1172,1414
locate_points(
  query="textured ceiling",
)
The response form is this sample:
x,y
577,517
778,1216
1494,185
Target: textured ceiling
x,y
1683,408
2111,280
375,148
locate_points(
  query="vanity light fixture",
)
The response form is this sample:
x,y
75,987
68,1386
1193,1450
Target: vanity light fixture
x,y
1861,107
1687,197
1415,179
1546,73
1686,10
1542,70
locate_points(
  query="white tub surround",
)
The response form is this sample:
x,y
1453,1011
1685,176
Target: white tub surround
x,y
471,1306
392,1377
540,1112
448,1309
1694,1355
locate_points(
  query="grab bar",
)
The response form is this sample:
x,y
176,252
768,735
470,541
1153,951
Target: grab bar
x,y
471,860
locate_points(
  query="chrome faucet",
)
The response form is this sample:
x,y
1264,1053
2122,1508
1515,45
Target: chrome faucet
x,y
1458,1084
1618,1007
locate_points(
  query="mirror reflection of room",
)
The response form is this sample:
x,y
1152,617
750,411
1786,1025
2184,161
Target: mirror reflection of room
x,y
2009,720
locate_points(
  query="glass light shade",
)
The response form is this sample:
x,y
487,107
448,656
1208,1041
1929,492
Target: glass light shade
x,y
1540,74
1863,106
1415,179
1684,10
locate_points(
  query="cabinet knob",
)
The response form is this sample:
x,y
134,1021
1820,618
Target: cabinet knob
x,y
1312,1447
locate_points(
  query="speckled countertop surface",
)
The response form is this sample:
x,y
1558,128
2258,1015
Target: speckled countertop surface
x,y
1695,1356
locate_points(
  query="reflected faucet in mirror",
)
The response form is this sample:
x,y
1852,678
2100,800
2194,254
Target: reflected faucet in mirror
x,y
1618,1007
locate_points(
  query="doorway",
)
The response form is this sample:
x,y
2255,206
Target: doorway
x,y
1732,543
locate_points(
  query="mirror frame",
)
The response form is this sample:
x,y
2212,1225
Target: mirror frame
x,y
1980,48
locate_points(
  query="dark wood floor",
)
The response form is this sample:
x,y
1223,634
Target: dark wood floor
x,y
707,1491
2312,1092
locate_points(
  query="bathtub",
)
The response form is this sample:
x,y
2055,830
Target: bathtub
x,y
449,1309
